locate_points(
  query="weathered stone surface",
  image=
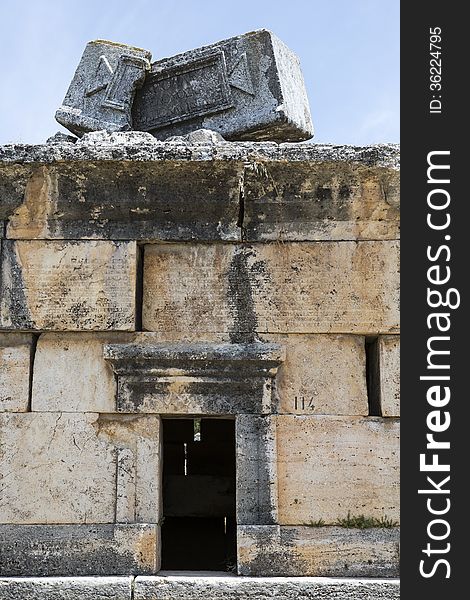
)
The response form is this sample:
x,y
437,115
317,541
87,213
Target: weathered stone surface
x,y
174,200
45,550
188,200
248,87
342,287
142,147
389,368
204,191
79,468
198,379
71,375
328,201
103,88
13,181
66,588
68,286
187,587
322,374
331,466
60,137
15,364
257,501
317,551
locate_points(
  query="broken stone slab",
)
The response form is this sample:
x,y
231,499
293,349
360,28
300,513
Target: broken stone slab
x,y
317,551
16,352
61,138
101,549
200,136
79,468
331,466
102,90
70,285
249,87
66,588
226,587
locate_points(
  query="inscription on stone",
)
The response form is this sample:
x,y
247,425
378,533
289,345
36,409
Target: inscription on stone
x,y
248,87
184,92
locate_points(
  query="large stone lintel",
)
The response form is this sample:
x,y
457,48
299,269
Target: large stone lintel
x,y
126,187
224,379
45,550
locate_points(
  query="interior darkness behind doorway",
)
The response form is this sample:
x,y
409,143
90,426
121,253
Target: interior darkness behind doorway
x,y
199,528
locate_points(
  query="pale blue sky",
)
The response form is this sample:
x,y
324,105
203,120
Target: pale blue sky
x,y
349,51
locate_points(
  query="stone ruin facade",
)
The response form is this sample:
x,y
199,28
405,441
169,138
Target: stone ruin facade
x,y
198,368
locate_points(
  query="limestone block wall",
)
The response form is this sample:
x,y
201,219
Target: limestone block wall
x,y
256,282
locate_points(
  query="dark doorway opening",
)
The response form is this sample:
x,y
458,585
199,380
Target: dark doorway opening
x,y
199,526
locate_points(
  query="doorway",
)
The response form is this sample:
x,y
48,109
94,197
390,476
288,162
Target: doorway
x,y
199,482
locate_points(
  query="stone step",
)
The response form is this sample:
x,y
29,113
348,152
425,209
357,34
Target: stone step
x,y
195,586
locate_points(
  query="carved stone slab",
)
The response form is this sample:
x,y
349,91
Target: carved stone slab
x,y
103,87
207,379
249,87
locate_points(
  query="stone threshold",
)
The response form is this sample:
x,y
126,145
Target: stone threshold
x,y
197,585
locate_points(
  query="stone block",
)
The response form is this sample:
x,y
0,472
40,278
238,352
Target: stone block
x,y
389,374
249,87
79,468
66,588
197,379
105,549
328,201
15,371
71,375
102,90
256,498
13,181
317,551
322,374
135,146
68,285
159,200
226,587
342,287
331,466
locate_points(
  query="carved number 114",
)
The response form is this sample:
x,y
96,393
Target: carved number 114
x,y
302,403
